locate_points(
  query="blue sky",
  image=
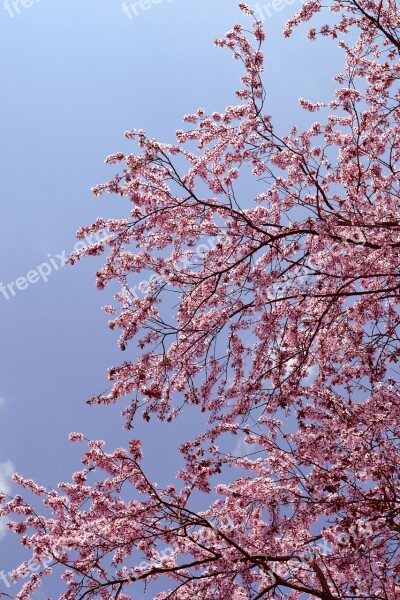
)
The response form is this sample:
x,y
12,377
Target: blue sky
x,y
76,75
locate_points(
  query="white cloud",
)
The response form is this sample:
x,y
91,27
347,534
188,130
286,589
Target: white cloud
x,y
3,527
6,471
312,374
242,447
2,402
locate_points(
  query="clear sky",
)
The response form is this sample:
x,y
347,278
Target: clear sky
x,y
75,75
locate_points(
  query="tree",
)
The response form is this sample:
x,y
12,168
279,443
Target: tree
x,y
285,330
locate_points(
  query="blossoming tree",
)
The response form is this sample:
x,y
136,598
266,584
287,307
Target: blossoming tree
x,y
285,331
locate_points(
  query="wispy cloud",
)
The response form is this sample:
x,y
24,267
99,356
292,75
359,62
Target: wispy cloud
x,y
7,469
242,447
